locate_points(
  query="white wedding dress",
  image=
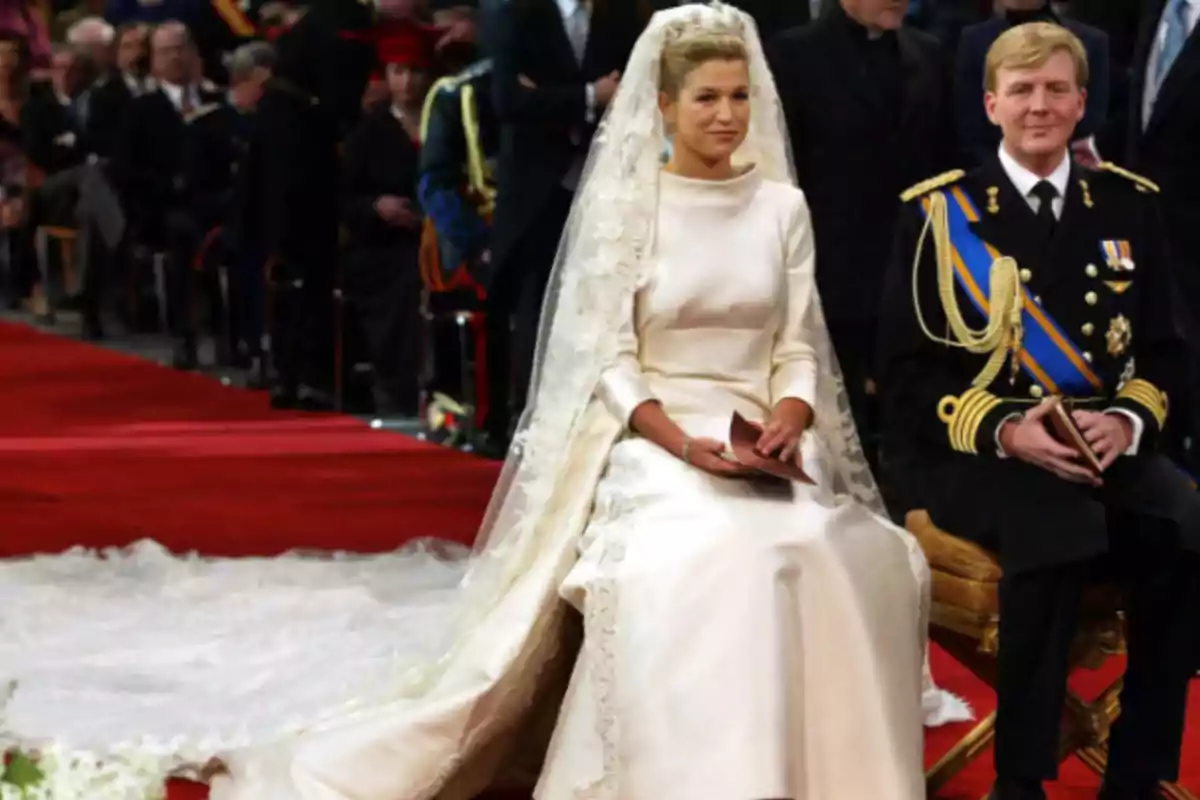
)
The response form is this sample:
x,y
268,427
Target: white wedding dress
x,y
740,642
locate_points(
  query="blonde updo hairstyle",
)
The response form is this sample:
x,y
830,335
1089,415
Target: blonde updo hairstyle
x,y
681,57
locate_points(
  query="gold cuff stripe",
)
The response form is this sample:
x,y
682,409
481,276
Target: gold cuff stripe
x,y
1147,395
969,411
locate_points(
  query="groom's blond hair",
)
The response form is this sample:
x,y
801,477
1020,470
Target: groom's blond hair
x,y
1031,45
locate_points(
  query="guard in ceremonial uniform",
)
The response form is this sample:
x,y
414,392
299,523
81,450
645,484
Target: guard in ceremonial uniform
x,y
1027,279
460,138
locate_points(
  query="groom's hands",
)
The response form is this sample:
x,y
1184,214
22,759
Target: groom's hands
x,y
782,434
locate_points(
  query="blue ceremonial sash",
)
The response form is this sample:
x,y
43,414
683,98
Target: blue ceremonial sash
x,y
1048,357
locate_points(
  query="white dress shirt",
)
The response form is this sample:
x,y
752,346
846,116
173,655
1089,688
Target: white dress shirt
x,y
1024,180
1153,82
135,85
175,93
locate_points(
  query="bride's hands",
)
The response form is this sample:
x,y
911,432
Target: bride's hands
x,y
781,437
706,454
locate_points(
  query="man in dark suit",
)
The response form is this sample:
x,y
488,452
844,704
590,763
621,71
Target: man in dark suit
x,y
863,99
1162,140
53,127
148,161
977,137
557,65
967,405
112,93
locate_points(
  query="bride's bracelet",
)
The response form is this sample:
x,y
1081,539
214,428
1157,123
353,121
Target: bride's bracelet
x,y
687,447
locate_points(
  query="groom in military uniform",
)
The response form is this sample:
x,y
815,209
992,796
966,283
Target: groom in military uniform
x,y
1035,280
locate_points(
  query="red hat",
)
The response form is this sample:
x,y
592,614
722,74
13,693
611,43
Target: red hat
x,y
407,43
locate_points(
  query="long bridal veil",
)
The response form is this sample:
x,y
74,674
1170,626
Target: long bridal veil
x,y
126,667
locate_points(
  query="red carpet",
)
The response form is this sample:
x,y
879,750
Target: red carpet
x,y
101,449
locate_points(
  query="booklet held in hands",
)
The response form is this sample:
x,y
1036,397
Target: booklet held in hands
x,y
1062,427
744,436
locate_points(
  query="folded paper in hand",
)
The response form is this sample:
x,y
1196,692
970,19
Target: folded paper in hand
x,y
743,439
1061,425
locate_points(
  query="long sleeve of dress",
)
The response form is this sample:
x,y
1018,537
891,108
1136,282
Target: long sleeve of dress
x,y
793,360
622,386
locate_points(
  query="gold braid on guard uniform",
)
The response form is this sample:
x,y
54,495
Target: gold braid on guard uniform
x,y
1000,337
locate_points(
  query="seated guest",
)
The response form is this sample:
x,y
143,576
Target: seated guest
x,y
215,151
108,99
977,136
54,125
1047,249
381,213
115,90
148,165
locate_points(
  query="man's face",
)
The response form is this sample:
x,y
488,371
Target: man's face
x,y
64,72
132,51
883,15
247,93
170,55
1037,109
99,52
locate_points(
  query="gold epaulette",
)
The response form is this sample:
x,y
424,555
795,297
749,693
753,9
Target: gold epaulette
x,y
929,184
1148,396
1143,184
202,111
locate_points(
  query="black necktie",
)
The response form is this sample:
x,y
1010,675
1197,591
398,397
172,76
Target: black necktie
x,y
1045,192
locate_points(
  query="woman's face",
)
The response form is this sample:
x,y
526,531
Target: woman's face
x,y
407,85
711,115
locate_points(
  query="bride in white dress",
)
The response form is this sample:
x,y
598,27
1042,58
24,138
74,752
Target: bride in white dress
x,y
741,640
